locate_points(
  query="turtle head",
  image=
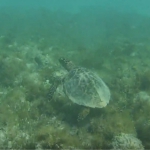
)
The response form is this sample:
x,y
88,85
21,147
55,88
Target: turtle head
x,y
67,64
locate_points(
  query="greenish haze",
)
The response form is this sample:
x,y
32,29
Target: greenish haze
x,y
113,43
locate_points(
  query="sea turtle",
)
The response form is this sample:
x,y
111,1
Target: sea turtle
x,y
82,86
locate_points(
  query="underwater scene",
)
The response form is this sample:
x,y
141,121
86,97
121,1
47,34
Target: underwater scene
x,y
75,74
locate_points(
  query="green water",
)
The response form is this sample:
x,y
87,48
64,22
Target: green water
x,y
110,38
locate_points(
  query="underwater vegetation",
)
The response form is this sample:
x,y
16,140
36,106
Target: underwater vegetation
x,y
30,120
29,62
127,141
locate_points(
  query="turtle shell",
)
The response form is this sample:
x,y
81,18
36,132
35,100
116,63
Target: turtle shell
x,y
85,88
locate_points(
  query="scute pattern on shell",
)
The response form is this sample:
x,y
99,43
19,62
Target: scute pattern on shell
x,y
86,88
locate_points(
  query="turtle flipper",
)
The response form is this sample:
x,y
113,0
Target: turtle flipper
x,y
53,88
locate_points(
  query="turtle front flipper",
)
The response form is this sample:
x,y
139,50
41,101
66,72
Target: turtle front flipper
x,y
53,88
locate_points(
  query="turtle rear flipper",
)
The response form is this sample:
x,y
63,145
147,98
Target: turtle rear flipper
x,y
53,88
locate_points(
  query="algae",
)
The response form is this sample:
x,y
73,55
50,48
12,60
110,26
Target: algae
x,y
29,60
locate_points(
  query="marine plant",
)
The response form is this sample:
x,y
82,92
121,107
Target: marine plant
x,y
141,114
126,141
10,69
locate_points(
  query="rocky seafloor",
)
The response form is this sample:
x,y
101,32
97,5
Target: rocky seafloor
x,y
29,120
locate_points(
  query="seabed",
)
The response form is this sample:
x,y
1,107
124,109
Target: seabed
x,y
28,61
